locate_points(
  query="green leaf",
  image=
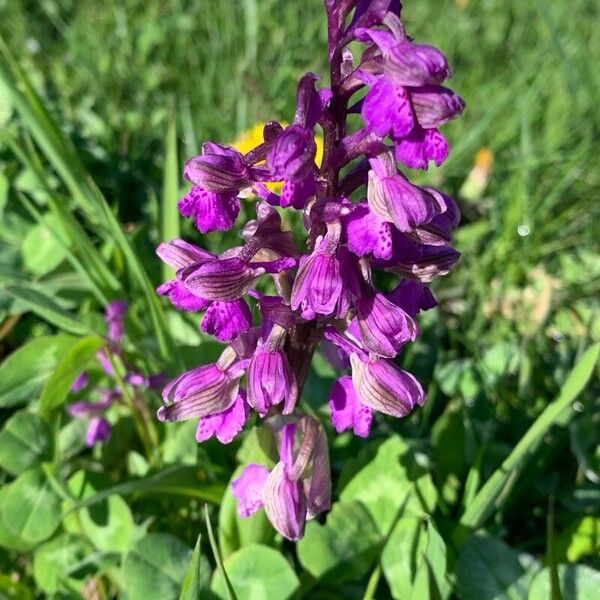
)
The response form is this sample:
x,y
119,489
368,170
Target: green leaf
x,y
234,532
53,560
24,372
401,555
74,362
25,442
495,490
108,524
488,569
31,508
8,539
580,539
257,572
430,579
41,251
197,578
155,567
577,582
46,307
344,548
389,479
176,480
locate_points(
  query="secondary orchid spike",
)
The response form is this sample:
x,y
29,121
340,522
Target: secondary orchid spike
x,y
362,217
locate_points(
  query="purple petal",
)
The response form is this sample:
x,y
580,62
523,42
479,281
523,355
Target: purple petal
x,y
318,283
420,147
181,297
203,391
98,431
212,211
271,381
80,382
226,279
435,105
218,172
226,320
296,193
412,296
367,233
385,388
285,503
347,411
387,109
225,425
248,489
293,154
318,486
179,254
384,326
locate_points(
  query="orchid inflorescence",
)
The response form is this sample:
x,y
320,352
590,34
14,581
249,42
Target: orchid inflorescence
x,y
323,295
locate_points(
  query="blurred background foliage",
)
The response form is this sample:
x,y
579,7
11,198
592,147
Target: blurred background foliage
x,y
120,93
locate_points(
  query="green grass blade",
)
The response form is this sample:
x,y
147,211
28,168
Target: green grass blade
x,y
73,363
45,307
190,590
170,196
494,491
217,554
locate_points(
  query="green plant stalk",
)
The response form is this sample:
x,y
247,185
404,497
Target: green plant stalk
x,y
494,492
149,440
170,192
217,554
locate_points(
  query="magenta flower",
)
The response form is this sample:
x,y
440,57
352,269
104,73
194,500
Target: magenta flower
x,y
297,488
350,286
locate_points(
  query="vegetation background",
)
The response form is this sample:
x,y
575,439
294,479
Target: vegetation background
x,y
490,491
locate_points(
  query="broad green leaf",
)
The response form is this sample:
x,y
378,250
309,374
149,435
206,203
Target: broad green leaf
x,y
257,572
48,309
495,490
580,539
577,582
25,441
389,481
31,508
73,363
24,372
234,532
53,560
344,548
197,578
155,567
41,251
401,555
8,539
488,569
430,581
189,482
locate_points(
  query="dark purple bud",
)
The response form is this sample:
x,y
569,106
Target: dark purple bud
x,y
412,296
80,382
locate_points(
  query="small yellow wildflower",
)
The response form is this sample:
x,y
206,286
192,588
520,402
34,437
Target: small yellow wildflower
x,y
249,139
477,180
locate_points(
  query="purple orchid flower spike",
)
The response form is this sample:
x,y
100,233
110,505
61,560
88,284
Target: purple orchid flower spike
x,y
280,296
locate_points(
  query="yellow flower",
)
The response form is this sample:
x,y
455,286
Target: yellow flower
x,y
249,139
